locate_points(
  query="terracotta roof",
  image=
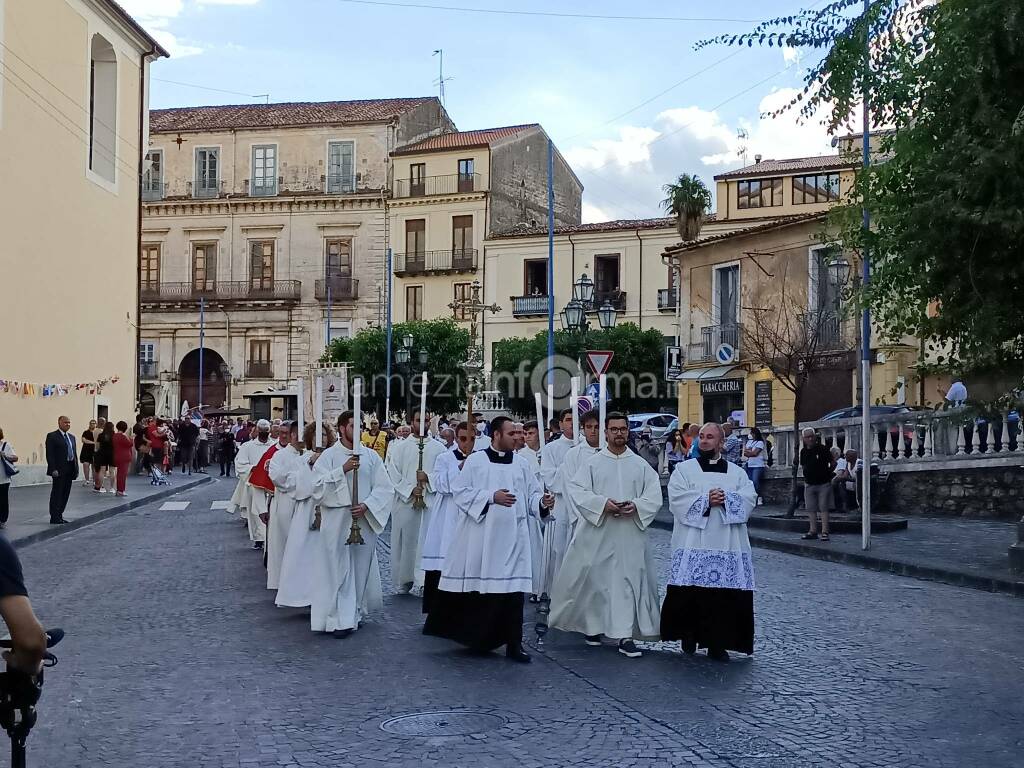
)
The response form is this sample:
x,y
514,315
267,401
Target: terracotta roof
x,y
464,139
788,165
127,19
618,225
280,115
775,224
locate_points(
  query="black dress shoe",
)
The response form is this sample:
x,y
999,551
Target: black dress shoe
x,y
688,646
517,654
62,521
718,654
341,634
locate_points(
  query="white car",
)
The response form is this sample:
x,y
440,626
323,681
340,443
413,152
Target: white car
x,y
658,422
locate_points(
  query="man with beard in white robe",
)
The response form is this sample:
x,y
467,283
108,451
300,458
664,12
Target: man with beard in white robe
x,y
293,486
440,524
487,569
347,576
248,456
297,566
709,601
558,526
412,478
608,584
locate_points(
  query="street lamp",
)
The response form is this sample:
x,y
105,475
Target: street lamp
x,y
574,316
402,355
583,290
407,360
407,341
839,270
607,316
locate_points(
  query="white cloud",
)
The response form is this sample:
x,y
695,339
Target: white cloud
x,y
592,213
626,173
157,17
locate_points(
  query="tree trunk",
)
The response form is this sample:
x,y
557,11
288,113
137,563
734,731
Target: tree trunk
x,y
688,224
794,498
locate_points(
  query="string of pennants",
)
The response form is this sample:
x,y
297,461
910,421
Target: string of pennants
x,y
33,389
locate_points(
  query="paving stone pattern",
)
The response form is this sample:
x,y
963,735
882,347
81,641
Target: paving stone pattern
x,y
175,656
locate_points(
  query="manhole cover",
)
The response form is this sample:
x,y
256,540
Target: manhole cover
x,y
443,723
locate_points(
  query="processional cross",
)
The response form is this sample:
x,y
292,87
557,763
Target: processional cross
x,y
472,308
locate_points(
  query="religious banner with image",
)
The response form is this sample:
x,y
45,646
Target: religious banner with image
x,y
335,392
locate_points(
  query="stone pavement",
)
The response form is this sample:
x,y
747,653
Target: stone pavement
x,y
175,656
30,505
953,550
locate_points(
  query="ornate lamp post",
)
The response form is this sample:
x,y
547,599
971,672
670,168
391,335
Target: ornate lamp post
x,y
407,360
473,307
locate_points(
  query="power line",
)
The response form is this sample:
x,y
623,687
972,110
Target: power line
x,y
550,14
217,90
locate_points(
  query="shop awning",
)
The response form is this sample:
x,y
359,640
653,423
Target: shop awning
x,y
703,374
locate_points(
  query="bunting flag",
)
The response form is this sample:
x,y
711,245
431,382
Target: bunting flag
x,y
34,389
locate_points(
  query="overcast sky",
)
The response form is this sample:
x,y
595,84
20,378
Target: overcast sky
x,y
628,101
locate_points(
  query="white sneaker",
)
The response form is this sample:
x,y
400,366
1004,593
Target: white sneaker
x,y
760,501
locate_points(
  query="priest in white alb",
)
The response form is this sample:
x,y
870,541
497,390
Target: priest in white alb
x,y
608,585
295,588
347,576
411,475
444,514
487,569
558,527
576,457
709,601
248,456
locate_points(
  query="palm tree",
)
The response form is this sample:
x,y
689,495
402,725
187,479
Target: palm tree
x,y
688,199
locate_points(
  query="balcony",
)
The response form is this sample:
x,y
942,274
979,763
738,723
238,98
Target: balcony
x,y
222,292
153,192
430,186
667,298
149,370
529,306
436,262
259,371
616,298
341,289
825,330
711,337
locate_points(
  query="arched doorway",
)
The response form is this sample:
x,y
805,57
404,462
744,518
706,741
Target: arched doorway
x,y
147,403
215,379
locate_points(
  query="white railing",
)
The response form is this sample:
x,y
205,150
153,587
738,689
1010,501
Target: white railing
x,y
916,436
485,402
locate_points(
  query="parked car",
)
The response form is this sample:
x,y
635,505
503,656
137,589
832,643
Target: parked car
x,y
854,412
658,422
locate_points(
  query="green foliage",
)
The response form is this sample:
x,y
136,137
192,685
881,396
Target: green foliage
x,y
946,243
689,199
636,376
446,345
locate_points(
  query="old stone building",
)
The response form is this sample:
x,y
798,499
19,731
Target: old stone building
x,y
268,223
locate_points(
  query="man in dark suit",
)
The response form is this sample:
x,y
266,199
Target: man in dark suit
x,y
62,466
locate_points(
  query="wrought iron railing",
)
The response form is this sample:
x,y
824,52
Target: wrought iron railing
x,y
616,298
341,289
666,299
234,290
524,306
149,370
427,186
259,371
422,262
824,329
711,338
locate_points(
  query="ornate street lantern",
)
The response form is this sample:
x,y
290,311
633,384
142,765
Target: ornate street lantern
x,y
607,316
583,290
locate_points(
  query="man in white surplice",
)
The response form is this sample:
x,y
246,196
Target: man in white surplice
x,y
576,457
558,528
439,527
293,488
347,576
607,584
404,468
249,454
487,569
527,454
709,600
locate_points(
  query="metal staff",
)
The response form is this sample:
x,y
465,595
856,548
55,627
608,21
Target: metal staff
x,y
355,535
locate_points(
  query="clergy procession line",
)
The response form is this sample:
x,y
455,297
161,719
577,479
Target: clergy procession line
x,y
479,526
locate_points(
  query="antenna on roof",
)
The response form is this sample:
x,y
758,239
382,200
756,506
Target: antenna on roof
x,y
743,135
441,79
265,96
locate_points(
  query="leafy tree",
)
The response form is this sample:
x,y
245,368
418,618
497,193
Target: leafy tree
x,y
446,345
636,377
946,242
688,199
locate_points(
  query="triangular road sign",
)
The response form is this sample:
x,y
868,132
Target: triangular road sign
x,y
599,359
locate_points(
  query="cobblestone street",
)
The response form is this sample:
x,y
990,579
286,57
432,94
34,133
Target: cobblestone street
x,y
176,656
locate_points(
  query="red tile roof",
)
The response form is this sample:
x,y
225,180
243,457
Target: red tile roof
x,y
280,115
618,225
790,165
464,139
779,223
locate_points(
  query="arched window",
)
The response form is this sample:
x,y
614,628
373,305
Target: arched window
x,y
102,108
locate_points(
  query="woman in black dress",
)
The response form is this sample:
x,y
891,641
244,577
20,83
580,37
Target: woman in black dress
x,y
87,453
103,461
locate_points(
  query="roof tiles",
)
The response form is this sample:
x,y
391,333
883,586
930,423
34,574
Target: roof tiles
x,y
464,139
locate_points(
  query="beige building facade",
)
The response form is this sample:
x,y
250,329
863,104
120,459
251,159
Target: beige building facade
x,y
271,222
451,192
71,301
775,263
